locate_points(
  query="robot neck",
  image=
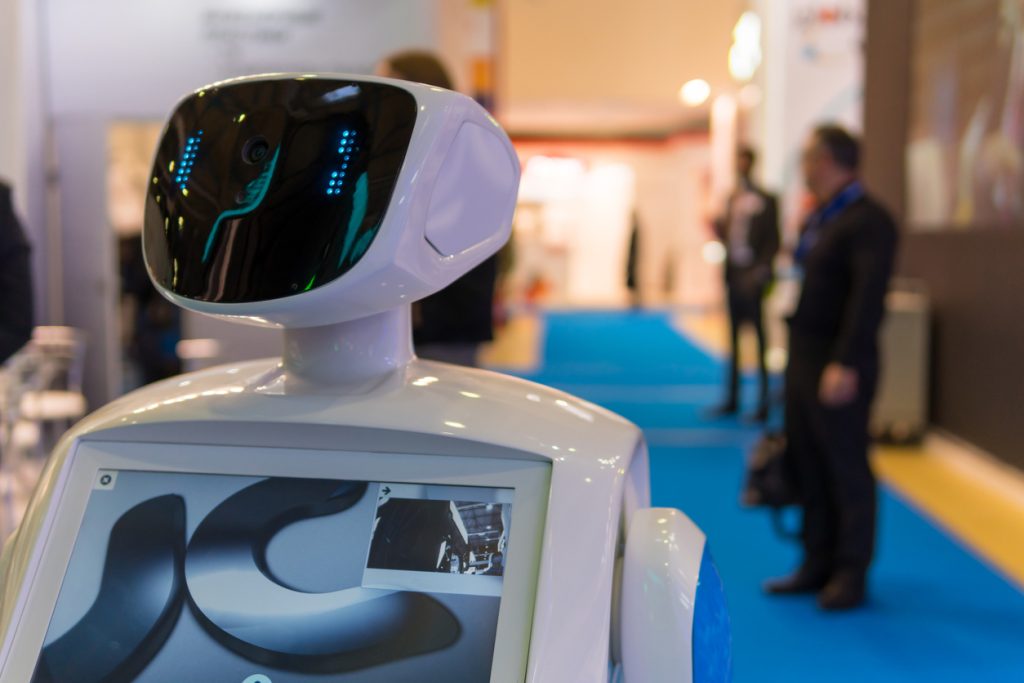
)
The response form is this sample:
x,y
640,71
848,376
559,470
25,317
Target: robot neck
x,y
351,353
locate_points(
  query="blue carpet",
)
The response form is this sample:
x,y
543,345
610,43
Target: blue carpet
x,y
936,612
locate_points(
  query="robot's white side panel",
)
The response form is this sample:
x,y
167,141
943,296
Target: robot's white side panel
x,y
659,590
472,193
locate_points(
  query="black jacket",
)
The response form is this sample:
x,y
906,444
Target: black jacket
x,y
763,239
846,275
15,280
462,312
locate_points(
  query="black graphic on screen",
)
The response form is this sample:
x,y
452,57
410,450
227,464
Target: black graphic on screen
x,y
208,577
138,603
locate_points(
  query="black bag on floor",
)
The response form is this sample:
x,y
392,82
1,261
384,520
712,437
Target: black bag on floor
x,y
770,479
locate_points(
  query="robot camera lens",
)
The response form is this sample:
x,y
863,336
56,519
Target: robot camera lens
x,y
255,150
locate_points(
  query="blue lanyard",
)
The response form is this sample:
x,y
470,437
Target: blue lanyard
x,y
821,217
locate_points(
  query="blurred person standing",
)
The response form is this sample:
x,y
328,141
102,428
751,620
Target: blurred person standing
x,y
451,324
15,280
750,232
846,252
633,262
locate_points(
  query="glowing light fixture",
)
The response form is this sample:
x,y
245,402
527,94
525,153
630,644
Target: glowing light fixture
x,y
713,252
745,53
695,93
186,162
346,145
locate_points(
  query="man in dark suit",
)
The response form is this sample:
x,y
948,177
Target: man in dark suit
x,y
15,280
750,232
846,253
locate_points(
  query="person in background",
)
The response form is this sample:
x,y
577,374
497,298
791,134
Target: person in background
x,y
15,280
846,253
750,232
450,325
633,263
153,323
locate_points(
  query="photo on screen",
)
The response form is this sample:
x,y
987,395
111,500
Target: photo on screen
x,y
431,532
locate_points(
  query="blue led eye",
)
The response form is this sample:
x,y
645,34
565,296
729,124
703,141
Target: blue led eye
x,y
344,165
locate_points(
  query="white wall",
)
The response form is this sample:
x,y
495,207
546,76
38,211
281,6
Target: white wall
x,y
8,84
813,73
22,128
670,189
136,59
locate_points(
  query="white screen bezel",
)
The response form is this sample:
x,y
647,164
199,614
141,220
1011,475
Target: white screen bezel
x,y
529,479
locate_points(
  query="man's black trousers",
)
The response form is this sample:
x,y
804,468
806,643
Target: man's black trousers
x,y
746,307
829,452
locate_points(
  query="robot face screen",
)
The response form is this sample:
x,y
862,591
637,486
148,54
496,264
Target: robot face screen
x,y
279,580
266,188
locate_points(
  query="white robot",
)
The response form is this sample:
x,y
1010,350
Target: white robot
x,y
346,512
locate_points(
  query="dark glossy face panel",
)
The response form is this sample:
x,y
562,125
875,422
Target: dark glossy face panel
x,y
263,189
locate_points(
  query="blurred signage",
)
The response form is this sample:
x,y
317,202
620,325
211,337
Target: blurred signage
x,y
829,30
273,26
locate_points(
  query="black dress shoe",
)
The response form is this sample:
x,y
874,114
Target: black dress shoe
x,y
724,410
802,581
760,416
845,590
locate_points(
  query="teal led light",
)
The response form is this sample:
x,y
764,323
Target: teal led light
x,y
187,160
346,145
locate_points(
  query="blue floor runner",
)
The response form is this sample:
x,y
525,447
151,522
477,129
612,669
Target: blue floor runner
x,y
937,613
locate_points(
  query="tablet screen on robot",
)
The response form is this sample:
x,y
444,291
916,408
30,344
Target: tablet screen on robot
x,y
271,580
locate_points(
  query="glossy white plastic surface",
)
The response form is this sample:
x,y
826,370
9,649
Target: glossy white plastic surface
x,y
431,408
469,192
477,186
659,588
351,353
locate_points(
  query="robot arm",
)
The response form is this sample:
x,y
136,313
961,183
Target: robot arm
x,y
673,623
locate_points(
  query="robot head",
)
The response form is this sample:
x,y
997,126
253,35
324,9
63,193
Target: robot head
x,y
307,200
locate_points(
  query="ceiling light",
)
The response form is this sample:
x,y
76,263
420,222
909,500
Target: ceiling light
x,y
695,93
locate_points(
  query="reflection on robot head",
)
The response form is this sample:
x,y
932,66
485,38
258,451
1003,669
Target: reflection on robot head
x,y
308,200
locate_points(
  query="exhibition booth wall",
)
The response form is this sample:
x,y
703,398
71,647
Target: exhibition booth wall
x,y
943,148
580,204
